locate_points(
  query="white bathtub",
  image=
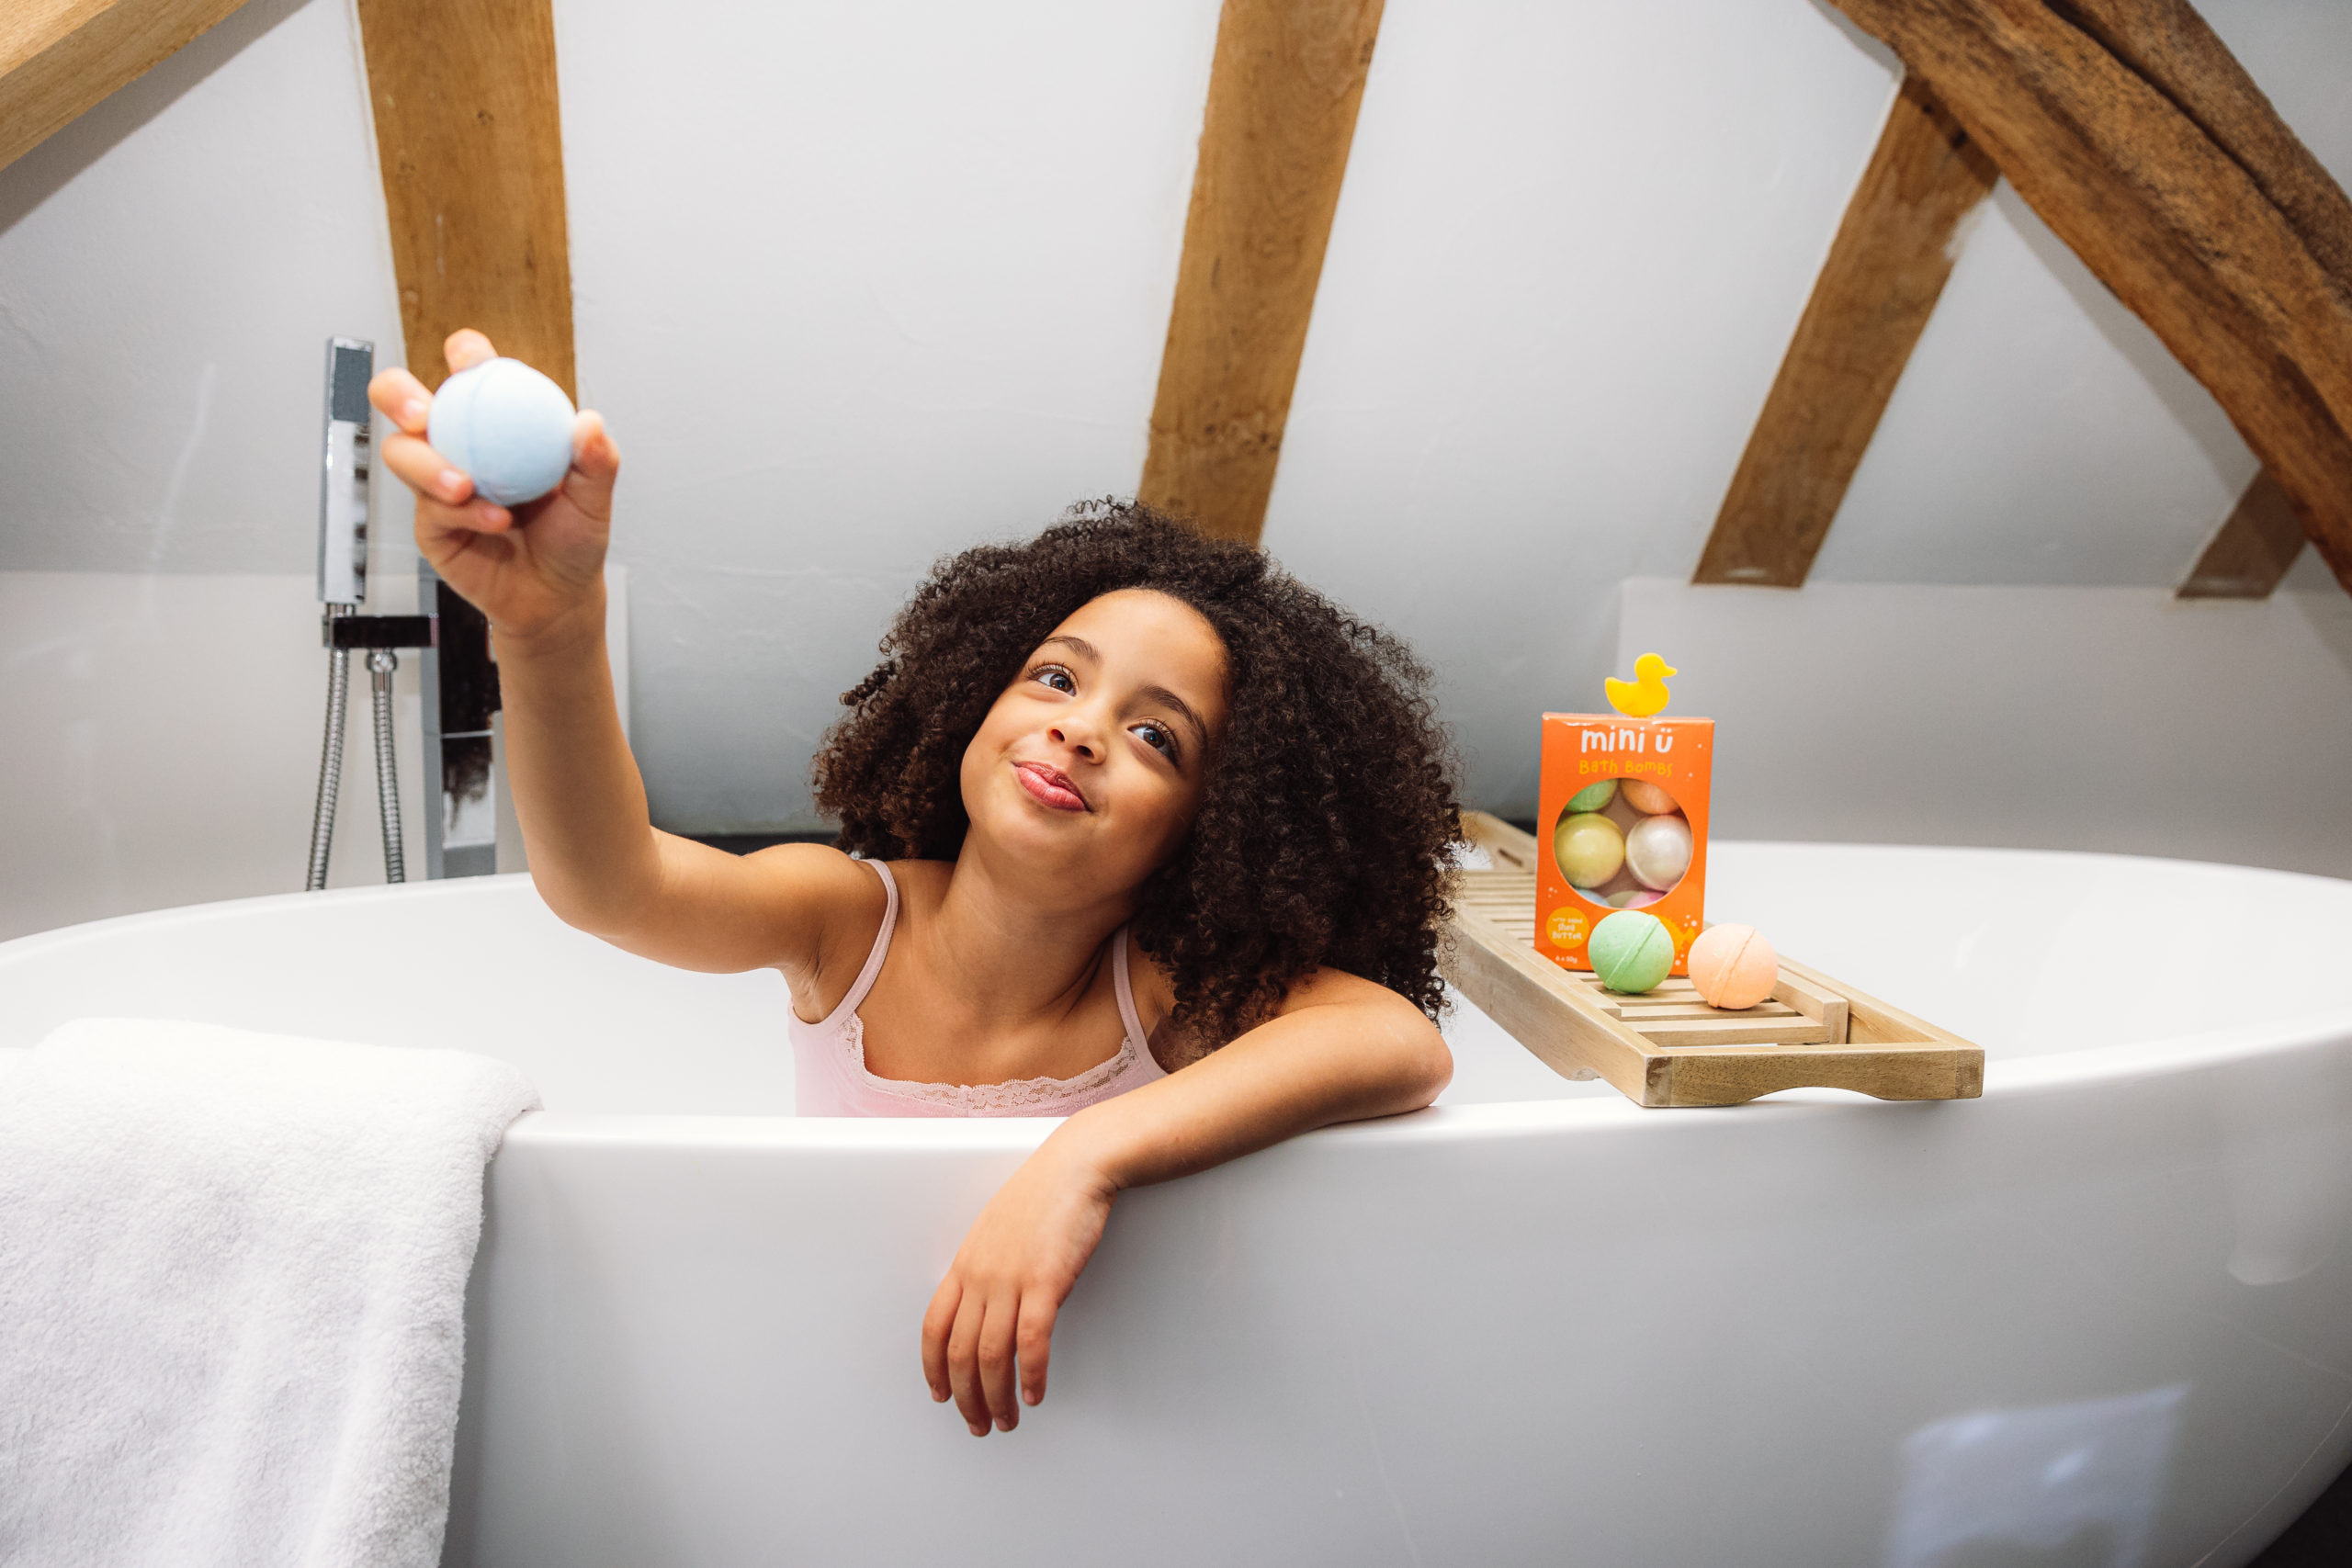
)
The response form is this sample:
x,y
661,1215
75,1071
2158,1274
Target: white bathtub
x,y
2101,1316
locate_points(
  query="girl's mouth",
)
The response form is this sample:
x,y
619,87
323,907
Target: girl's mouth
x,y
1050,786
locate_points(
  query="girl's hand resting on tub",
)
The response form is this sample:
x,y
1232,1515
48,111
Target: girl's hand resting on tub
x,y
526,567
1340,1048
1018,1264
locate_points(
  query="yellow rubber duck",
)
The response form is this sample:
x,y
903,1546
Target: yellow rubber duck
x,y
1645,693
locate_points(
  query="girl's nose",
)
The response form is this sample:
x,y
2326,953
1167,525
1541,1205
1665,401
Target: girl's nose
x,y
1077,740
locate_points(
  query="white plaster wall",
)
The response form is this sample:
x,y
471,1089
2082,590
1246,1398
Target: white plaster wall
x,y
877,282
171,267
1571,247
163,737
162,734
861,284
2044,717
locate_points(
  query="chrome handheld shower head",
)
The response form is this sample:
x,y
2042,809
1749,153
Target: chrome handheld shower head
x,y
343,483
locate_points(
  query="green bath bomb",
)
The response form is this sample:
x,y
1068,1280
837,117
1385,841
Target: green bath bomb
x,y
1588,849
1593,797
1631,950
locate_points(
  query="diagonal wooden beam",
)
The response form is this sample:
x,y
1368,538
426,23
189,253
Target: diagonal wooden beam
x,y
2170,47
1281,111
2249,556
1886,267
471,146
2144,146
58,57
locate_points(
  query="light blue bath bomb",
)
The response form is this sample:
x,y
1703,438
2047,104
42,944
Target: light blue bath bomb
x,y
506,426
1631,950
1593,797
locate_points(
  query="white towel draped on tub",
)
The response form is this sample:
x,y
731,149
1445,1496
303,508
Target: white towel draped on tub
x,y
233,1274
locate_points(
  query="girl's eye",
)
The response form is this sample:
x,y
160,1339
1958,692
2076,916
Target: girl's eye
x,y
1158,738
1057,677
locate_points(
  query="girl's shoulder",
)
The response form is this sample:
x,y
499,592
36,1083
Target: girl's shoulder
x,y
827,873
841,905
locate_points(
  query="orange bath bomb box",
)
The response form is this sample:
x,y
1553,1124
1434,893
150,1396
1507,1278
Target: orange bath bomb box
x,y
1660,768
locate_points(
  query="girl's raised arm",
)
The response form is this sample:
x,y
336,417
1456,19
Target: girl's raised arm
x,y
537,572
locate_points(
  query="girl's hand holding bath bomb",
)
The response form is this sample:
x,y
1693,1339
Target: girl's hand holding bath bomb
x,y
1117,892
530,567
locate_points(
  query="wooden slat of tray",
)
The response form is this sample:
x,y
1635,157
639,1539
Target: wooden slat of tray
x,y
1680,1016
1713,1032
1815,1002
1669,1048
1645,1019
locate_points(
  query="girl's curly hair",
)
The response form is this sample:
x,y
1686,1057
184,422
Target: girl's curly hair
x,y
1324,830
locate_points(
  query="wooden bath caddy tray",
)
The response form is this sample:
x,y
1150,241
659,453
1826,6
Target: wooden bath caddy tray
x,y
1668,1047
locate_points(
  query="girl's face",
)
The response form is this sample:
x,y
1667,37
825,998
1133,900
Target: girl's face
x,y
1092,763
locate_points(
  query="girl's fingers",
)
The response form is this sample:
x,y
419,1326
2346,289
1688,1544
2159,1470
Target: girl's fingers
x,y
962,1365
997,1324
466,348
1034,1341
596,464
477,516
424,471
937,1322
401,397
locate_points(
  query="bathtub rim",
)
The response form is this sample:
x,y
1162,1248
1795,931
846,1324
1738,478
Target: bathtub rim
x,y
2105,1066
474,885
2004,1078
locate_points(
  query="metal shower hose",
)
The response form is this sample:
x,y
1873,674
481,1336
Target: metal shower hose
x,y
381,663
330,769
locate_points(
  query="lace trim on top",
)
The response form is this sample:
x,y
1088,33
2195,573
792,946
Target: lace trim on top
x,y
984,1098
987,1098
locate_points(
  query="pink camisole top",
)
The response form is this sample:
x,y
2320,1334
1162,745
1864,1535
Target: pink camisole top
x,y
829,1058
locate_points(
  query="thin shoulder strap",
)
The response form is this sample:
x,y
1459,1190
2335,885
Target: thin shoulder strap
x,y
1127,1018
881,950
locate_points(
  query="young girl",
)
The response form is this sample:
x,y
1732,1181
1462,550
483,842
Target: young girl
x,y
1153,839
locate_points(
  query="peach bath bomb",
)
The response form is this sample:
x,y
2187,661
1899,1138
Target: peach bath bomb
x,y
1631,950
1658,851
506,427
1733,967
1588,849
1649,799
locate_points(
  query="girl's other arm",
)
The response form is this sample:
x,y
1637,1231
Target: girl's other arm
x,y
1341,1049
537,572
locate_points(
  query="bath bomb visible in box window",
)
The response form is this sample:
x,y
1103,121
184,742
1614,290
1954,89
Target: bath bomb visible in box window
x,y
506,427
1648,798
1588,849
1658,851
1592,798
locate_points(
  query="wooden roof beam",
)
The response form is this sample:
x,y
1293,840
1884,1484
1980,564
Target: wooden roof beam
x,y
469,143
58,57
2145,146
2249,556
1287,77
1886,267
